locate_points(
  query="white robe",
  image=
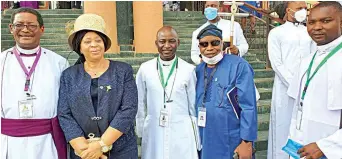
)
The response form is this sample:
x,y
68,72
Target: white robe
x,y
177,140
239,39
287,45
322,104
45,86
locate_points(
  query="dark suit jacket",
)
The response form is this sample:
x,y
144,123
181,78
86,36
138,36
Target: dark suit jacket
x,y
117,106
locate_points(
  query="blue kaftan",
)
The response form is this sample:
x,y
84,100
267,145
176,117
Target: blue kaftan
x,y
224,131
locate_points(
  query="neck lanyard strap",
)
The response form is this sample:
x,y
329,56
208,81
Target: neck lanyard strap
x,y
309,78
206,79
28,73
161,77
161,74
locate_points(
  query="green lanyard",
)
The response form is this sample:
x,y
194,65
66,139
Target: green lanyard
x,y
163,83
309,78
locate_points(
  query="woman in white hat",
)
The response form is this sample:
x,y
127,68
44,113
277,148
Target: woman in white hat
x,y
98,97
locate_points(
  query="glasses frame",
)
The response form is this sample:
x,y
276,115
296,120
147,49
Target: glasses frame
x,y
205,44
30,27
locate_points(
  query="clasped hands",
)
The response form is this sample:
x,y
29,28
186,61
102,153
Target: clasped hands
x,y
87,150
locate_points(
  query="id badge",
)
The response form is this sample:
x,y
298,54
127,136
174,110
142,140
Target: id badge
x,y
202,117
299,118
25,109
164,118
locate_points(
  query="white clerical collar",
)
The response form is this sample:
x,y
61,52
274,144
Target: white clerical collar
x,y
24,51
296,24
166,63
214,23
328,47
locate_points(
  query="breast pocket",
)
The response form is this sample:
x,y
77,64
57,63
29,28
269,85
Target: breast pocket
x,y
221,95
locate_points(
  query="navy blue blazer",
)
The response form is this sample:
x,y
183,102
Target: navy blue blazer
x,y
117,106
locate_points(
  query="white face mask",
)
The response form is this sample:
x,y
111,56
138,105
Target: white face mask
x,y
300,15
214,60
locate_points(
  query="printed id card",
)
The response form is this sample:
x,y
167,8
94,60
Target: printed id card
x,y
25,109
164,118
201,116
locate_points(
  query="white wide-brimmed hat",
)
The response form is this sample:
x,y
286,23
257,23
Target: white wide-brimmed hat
x,y
91,22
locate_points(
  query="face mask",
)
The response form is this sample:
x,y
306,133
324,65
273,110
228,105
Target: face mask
x,y
292,148
210,13
214,60
300,15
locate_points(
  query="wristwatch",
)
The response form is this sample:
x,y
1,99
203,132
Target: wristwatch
x,y
104,147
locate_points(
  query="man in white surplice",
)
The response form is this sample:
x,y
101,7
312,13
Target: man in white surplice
x,y
240,46
317,88
29,100
165,117
287,45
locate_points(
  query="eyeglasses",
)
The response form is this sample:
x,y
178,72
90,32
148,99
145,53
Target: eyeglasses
x,y
213,43
30,27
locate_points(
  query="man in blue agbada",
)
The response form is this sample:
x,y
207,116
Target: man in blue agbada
x,y
225,100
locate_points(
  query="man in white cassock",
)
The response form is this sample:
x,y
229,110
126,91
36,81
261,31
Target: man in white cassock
x,y
317,89
29,93
287,45
240,46
166,103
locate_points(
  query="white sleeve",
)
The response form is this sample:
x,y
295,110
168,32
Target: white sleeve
x,y
191,93
65,64
241,42
274,54
257,95
294,84
331,146
3,57
140,118
195,52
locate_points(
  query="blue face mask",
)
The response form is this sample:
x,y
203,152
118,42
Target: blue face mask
x,y
210,13
292,148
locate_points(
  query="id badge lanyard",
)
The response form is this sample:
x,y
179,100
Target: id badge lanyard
x,y
163,82
202,114
164,114
27,73
310,76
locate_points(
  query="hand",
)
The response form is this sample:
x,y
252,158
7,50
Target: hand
x,y
310,151
103,157
79,144
234,50
93,151
244,150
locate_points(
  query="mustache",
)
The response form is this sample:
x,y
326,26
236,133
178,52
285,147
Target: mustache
x,y
317,33
29,35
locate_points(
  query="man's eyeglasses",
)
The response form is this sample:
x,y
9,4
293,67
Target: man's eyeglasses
x,y
213,43
31,27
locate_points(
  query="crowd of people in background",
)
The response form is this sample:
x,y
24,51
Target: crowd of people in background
x,y
35,4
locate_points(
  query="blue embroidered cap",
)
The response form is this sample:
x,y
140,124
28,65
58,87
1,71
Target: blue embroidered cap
x,y
210,30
